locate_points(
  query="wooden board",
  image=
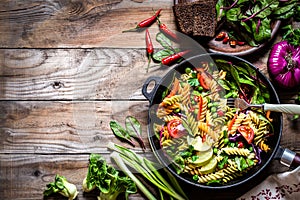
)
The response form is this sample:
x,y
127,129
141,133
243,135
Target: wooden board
x,y
66,71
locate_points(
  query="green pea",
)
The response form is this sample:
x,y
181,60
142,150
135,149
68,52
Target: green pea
x,y
209,105
215,115
226,140
215,150
216,104
188,70
200,88
213,109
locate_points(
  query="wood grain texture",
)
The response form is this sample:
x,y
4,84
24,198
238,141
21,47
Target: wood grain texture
x,y
64,127
93,23
70,74
25,176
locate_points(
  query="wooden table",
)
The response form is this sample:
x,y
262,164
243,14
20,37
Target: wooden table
x,y
66,71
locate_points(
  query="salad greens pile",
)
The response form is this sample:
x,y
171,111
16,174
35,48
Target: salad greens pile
x,y
244,82
107,179
251,21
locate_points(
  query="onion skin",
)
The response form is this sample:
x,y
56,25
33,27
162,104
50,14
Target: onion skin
x,y
284,65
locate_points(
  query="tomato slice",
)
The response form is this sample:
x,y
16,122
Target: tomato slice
x,y
175,128
247,132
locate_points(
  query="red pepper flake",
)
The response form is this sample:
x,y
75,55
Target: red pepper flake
x,y
221,35
225,40
232,43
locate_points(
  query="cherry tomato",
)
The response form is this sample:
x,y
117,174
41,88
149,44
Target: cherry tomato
x,y
240,144
174,128
247,133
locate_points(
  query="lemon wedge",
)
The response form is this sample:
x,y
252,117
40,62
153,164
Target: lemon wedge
x,y
199,145
209,167
202,158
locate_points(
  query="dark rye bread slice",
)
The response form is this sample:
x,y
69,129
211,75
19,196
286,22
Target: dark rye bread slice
x,y
205,22
196,18
184,17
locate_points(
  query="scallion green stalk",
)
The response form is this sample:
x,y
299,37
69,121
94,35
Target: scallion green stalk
x,y
138,183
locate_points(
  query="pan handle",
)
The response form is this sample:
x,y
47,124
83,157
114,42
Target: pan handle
x,y
149,95
289,158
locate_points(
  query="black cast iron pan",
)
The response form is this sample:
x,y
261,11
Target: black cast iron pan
x,y
154,96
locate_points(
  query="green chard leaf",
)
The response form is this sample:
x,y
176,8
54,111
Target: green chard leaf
x,y
120,132
164,41
134,129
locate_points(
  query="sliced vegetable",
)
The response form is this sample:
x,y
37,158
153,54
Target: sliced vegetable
x,y
247,132
107,179
284,65
61,186
175,128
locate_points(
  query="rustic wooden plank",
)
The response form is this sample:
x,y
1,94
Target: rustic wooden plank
x,y
80,127
64,127
48,24
25,176
37,74
68,74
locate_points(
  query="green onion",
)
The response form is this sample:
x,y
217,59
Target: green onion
x,y
146,168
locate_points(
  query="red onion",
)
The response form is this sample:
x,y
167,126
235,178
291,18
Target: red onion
x,y
284,65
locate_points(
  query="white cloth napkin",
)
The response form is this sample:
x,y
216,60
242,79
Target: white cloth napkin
x,y
283,186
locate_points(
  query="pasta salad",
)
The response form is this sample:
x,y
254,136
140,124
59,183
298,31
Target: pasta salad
x,y
201,135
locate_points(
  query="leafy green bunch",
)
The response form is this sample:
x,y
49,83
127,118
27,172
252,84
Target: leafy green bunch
x,y
107,179
244,82
61,186
252,20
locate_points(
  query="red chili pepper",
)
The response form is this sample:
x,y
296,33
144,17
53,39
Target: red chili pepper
x,y
149,47
146,22
164,29
173,58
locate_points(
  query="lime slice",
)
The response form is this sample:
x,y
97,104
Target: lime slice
x,y
209,167
202,158
199,145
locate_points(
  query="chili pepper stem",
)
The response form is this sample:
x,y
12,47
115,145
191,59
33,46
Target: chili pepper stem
x,y
131,30
149,61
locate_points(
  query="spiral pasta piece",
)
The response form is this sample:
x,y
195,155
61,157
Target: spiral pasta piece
x,y
236,151
212,176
